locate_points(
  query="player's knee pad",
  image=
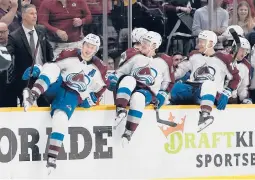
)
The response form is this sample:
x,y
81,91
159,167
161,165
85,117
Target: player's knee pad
x,y
209,87
147,94
137,101
50,71
60,122
128,82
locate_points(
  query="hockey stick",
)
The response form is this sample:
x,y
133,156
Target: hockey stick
x,y
237,41
162,121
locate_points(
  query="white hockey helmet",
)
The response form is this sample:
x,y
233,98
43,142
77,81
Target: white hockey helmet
x,y
138,33
154,38
209,36
92,39
237,29
245,44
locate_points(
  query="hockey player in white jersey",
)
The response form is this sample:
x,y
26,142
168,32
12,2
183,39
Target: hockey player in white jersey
x,y
208,71
137,34
241,94
84,82
143,79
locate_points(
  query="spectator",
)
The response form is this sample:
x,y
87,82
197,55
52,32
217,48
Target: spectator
x,y
110,64
177,58
9,14
251,5
220,23
244,18
22,44
63,20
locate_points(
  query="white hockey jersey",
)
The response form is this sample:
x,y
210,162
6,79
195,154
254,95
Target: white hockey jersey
x,y
252,86
154,73
214,68
242,92
81,76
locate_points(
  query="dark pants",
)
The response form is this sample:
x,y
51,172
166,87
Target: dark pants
x,y
8,95
10,92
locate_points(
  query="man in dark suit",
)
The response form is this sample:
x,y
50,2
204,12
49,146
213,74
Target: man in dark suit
x,y
27,44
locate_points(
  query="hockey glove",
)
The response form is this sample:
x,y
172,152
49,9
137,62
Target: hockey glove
x,y
36,72
161,97
113,79
247,101
223,100
89,101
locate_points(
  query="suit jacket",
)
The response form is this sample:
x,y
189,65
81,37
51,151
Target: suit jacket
x,y
18,46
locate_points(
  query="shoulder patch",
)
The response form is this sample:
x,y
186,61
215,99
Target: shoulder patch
x,y
67,53
128,54
165,56
225,57
101,66
131,52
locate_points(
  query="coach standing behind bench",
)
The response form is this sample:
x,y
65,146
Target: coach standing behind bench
x,y
22,45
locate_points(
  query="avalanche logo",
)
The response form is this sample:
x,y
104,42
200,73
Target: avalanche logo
x,y
204,73
78,81
145,75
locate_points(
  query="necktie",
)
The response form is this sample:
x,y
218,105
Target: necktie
x,y
10,73
32,42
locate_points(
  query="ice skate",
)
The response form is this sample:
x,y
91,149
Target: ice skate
x,y
121,114
29,98
51,165
126,137
205,120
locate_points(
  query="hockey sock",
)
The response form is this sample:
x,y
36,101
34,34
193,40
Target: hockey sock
x,y
137,105
41,85
208,93
207,102
49,74
59,129
126,87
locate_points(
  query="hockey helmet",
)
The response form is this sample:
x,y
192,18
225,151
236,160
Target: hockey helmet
x,y
209,36
92,39
154,38
237,29
245,44
137,34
